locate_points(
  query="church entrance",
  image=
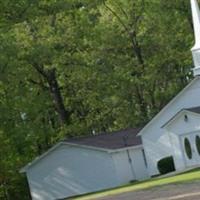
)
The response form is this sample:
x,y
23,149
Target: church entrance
x,y
191,148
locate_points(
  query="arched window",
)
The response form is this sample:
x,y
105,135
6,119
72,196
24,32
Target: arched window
x,y
188,148
198,143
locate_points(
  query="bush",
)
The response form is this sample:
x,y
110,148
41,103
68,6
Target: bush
x,y
166,165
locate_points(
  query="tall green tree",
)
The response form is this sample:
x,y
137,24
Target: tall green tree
x,y
69,68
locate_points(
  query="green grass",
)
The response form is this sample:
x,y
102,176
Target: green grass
x,y
190,176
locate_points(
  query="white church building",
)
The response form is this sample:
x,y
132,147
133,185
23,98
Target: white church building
x,y
78,166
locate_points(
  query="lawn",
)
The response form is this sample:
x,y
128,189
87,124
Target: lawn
x,y
192,175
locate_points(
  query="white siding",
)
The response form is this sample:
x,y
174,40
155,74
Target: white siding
x,y
155,140
69,171
123,167
139,165
126,171
180,128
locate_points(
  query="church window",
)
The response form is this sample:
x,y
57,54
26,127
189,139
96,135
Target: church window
x,y
188,148
198,143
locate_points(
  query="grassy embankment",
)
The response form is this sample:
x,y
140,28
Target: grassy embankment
x,y
190,176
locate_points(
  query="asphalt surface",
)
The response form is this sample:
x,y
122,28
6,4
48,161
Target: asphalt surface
x,y
186,191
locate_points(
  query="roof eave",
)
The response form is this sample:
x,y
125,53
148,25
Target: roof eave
x,y
24,169
30,164
181,112
104,149
140,146
87,146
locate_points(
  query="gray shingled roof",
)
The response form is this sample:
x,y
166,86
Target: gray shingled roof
x,y
194,109
115,140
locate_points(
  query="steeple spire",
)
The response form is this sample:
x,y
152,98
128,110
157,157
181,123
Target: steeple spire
x,y
196,49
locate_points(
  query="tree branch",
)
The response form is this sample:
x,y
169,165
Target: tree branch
x,y
132,34
117,16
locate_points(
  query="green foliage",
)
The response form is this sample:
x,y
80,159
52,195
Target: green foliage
x,y
115,65
166,165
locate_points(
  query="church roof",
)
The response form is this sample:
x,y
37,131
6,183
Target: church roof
x,y
115,140
194,109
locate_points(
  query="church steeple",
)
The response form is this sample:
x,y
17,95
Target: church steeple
x,y
196,49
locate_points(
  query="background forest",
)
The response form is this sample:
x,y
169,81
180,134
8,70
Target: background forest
x,y
70,68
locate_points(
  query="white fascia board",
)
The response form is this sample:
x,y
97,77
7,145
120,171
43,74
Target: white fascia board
x,y
174,118
179,114
126,148
166,107
37,159
86,146
193,113
30,164
103,149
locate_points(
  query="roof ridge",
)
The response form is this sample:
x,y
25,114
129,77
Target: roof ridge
x,y
100,134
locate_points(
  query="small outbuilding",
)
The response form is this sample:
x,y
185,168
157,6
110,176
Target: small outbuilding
x,y
85,165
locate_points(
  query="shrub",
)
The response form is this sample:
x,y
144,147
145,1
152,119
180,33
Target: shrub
x,y
166,165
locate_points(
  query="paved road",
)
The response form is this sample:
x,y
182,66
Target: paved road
x,y
186,191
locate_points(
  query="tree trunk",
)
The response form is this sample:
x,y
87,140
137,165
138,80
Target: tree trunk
x,y
50,76
56,96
